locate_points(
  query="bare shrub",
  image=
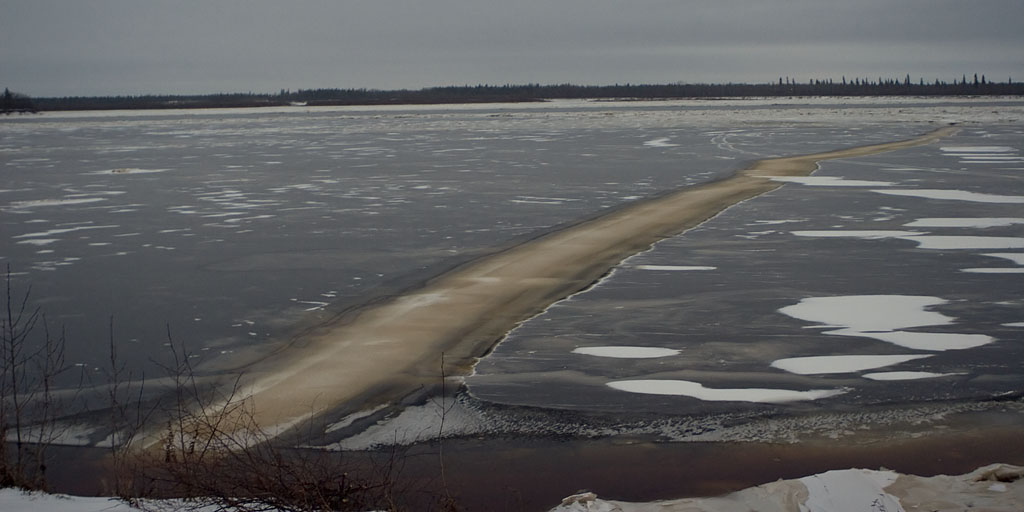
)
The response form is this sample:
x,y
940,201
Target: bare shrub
x,y
31,358
213,454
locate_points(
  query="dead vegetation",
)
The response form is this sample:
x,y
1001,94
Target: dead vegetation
x,y
198,443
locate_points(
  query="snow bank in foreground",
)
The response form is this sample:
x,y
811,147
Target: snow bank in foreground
x,y
16,500
997,487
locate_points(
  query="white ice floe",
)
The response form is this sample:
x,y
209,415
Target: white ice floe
x,y
626,352
817,365
24,205
866,234
977,149
830,181
1013,270
1014,324
882,317
952,195
905,375
869,313
671,268
957,222
131,170
923,240
39,241
935,341
61,231
966,242
662,142
698,391
1016,257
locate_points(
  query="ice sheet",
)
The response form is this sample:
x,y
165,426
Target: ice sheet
x,y
953,195
625,352
966,242
1016,257
817,365
698,391
959,222
870,313
673,267
883,317
905,375
831,181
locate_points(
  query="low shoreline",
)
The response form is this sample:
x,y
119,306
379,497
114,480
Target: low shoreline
x,y
388,350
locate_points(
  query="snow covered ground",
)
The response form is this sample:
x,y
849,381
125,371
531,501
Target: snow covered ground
x,y
994,488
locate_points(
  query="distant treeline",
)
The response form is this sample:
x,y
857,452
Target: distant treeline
x,y
964,86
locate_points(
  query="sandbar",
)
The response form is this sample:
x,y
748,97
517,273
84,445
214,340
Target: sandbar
x,y
388,350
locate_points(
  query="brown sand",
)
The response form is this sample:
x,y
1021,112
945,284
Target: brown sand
x,y
387,350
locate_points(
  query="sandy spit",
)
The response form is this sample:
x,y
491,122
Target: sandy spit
x,y
388,350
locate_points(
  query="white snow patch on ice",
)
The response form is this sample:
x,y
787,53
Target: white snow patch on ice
x,y
869,312
867,234
626,352
662,142
882,317
830,181
1016,257
131,170
60,231
817,365
39,241
698,391
966,242
955,222
22,205
923,240
993,270
952,195
977,149
674,267
905,375
937,341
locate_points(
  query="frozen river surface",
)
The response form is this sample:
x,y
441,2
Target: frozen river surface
x,y
233,230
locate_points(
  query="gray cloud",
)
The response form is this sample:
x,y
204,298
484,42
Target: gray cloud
x,y
50,47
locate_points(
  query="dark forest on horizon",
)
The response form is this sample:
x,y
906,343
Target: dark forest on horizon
x,y
785,87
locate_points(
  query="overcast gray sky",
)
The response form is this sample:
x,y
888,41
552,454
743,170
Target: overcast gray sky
x,y
110,47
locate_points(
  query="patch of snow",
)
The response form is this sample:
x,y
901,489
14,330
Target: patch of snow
x,y
993,270
698,391
662,142
905,375
863,234
817,365
624,352
966,242
977,149
953,195
674,267
882,317
850,490
830,181
956,222
1016,257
